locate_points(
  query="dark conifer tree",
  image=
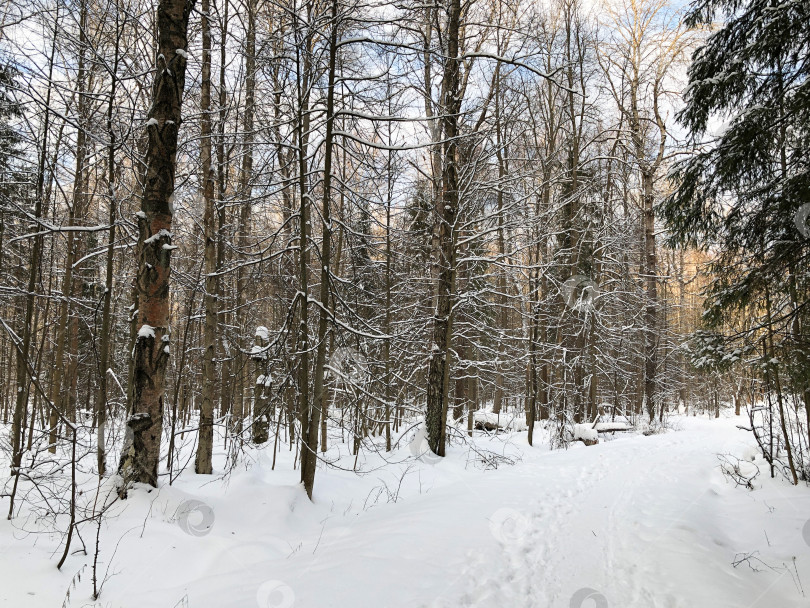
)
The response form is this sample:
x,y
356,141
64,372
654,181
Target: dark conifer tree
x,y
745,192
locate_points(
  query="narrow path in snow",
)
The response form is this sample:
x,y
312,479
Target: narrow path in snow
x,y
645,522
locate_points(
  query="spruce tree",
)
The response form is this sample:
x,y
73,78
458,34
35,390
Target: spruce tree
x,y
745,190
745,193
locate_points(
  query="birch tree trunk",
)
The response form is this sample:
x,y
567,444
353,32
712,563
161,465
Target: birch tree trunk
x,y
141,453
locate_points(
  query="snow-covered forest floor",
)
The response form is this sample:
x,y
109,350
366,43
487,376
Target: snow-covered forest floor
x,y
636,521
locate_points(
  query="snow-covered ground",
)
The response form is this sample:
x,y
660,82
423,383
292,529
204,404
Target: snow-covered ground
x,y
636,521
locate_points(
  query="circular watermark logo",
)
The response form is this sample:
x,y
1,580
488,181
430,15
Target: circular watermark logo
x,y
275,594
508,525
349,365
420,448
806,532
579,599
800,219
195,517
579,292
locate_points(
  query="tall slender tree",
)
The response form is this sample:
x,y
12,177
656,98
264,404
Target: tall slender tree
x,y
141,453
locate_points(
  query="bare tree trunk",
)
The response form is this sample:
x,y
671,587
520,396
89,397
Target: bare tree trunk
x,y
26,331
472,403
141,453
261,419
56,381
61,337
106,322
388,283
203,462
246,177
503,301
309,447
532,389
223,283
651,306
460,395
179,392
80,206
438,370
302,135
